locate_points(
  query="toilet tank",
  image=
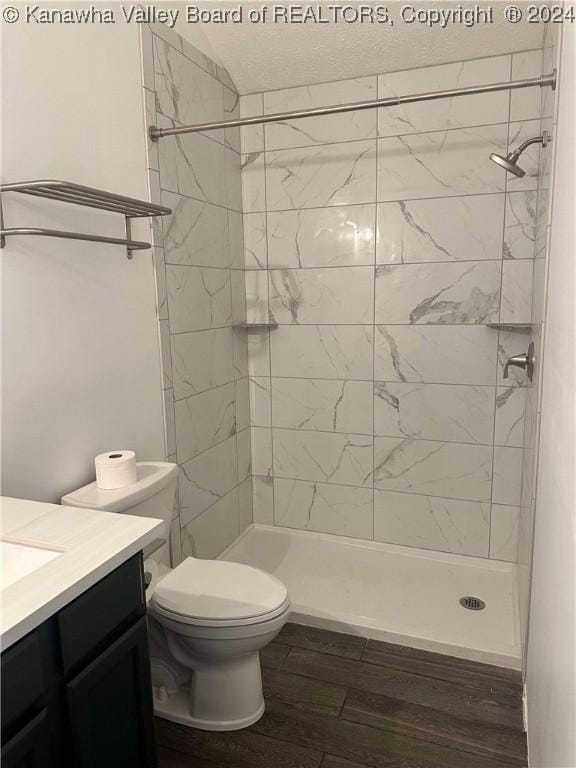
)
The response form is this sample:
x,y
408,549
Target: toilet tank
x,y
152,495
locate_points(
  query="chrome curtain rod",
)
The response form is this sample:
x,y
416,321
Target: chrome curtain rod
x,y
393,101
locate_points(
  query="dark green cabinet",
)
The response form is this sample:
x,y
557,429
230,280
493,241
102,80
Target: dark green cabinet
x,y
76,691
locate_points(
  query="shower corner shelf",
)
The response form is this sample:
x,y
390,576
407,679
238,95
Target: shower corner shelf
x,y
256,326
77,194
510,326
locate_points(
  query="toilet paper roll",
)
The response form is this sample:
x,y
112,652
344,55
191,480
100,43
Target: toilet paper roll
x,y
115,469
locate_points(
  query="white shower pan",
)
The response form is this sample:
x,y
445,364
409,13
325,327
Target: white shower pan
x,y
387,592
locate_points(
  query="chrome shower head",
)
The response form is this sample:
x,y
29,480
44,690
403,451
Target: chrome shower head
x,y
510,161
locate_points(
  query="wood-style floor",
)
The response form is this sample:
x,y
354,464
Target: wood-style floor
x,y
339,701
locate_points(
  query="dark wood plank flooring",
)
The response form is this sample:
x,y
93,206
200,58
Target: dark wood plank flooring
x,y
340,701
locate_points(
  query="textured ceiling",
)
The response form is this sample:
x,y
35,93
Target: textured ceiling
x,y
268,56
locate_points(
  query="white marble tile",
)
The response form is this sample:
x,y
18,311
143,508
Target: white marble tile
x,y
348,126
507,479
209,534
196,234
233,197
434,412
451,354
447,293
245,504
240,347
236,239
260,402
238,297
169,421
244,452
342,295
261,440
529,162
504,532
322,237
325,405
204,420
242,403
201,360
256,291
175,543
253,182
198,298
207,478
321,456
161,289
263,499
193,165
520,227
510,343
459,112
516,301
452,470
184,92
255,249
331,174
510,410
322,352
539,291
258,346
324,508
166,355
252,136
166,34
467,228
231,112
441,164
428,522
526,102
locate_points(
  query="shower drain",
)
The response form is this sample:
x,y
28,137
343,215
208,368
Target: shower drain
x,y
472,603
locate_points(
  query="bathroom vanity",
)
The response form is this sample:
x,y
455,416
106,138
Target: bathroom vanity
x,y
75,670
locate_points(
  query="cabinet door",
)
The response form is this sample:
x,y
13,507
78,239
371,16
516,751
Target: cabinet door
x,y
110,706
30,747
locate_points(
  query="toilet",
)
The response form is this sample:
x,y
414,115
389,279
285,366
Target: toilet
x,y
208,619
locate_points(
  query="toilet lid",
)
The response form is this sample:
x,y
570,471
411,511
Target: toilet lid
x,y
219,590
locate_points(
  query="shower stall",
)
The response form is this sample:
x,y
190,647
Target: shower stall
x,y
339,299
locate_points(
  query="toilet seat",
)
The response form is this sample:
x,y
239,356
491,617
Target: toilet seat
x,y
216,593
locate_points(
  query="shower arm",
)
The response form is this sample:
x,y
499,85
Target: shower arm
x,y
536,140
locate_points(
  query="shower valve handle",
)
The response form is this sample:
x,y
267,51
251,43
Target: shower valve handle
x,y
525,361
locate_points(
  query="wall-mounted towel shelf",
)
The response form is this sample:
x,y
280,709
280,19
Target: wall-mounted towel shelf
x,y
68,192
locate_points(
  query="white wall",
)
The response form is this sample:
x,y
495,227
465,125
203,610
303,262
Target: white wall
x,y
551,647
81,371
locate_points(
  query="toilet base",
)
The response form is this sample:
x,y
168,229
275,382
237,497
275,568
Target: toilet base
x,y
176,707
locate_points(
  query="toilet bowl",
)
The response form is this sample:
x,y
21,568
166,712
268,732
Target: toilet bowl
x,y
208,619
217,616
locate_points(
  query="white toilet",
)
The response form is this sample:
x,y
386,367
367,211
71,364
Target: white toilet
x,y
208,619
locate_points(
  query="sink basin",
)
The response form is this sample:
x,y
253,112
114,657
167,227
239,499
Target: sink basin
x,y
18,560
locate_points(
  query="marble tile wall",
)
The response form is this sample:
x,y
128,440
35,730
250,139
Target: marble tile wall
x,y
385,244
542,202
201,294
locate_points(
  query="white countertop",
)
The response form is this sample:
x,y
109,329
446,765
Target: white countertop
x,y
93,543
